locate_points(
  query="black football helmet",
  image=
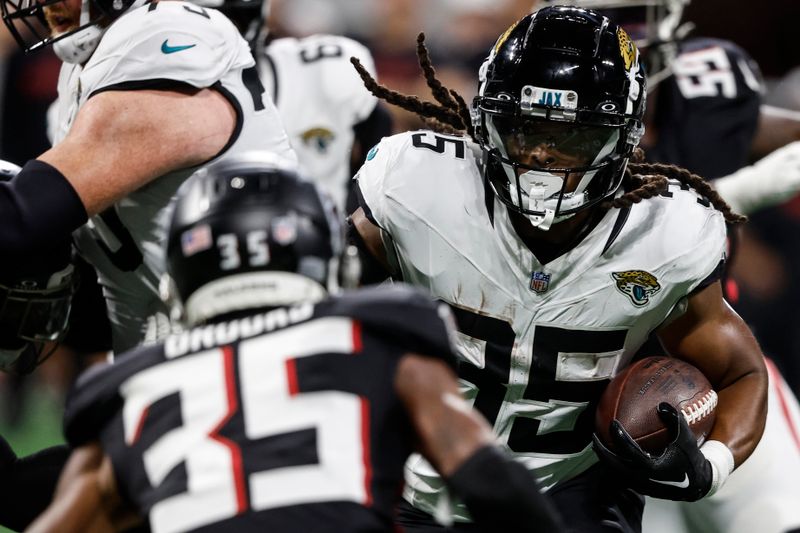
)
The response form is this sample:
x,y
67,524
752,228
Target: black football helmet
x,y
26,20
654,25
249,232
558,113
35,301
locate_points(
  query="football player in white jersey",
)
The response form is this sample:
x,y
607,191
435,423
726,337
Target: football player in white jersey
x,y
559,258
148,93
762,494
331,119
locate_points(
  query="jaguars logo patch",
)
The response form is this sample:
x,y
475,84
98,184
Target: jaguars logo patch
x,y
319,138
626,48
637,285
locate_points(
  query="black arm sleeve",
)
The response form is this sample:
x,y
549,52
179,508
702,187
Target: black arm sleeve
x,y
28,485
38,208
372,271
367,133
375,127
502,495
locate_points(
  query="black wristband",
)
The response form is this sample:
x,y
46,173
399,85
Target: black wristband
x,y
38,207
28,485
501,495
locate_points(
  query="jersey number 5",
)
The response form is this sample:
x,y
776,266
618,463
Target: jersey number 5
x,y
252,394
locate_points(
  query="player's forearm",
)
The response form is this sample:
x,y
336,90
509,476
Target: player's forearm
x,y
77,510
741,414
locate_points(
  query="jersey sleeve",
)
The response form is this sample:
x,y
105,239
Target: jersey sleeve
x,y
405,317
94,398
376,181
692,242
173,42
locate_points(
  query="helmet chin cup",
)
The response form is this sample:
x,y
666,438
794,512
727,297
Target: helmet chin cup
x,y
538,186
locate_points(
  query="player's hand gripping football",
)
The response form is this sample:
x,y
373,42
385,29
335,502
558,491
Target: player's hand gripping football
x,y
681,472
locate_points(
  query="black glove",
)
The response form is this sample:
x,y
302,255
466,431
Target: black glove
x,y
681,472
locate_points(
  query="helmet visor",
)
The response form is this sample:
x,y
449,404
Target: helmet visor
x,y
551,144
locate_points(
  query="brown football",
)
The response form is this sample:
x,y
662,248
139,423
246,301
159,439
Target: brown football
x,y
634,394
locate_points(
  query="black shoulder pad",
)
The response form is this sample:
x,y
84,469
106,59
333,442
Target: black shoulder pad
x,y
94,398
404,316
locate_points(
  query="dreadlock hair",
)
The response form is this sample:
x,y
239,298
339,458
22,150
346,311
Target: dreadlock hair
x,y
645,180
451,115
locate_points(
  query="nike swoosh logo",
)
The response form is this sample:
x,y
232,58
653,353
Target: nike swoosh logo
x,y
680,484
167,49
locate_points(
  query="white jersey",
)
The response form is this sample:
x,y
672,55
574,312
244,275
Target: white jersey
x,y
157,46
320,98
539,342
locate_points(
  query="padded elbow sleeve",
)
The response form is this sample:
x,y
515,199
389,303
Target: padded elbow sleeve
x,y
38,208
502,495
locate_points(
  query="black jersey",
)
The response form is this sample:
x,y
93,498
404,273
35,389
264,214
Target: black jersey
x,y
707,111
283,421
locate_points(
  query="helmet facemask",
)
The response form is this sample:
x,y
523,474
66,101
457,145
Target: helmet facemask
x,y
552,169
27,22
34,316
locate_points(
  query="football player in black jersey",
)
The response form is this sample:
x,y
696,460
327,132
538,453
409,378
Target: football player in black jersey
x,y
278,409
520,212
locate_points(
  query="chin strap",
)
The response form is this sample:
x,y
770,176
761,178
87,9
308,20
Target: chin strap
x,y
78,47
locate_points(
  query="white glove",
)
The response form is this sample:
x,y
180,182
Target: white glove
x,y
769,181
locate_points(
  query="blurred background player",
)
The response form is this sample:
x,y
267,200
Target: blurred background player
x,y
533,217
280,409
331,119
130,131
706,114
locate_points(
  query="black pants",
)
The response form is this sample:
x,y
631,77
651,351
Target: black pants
x,y
591,502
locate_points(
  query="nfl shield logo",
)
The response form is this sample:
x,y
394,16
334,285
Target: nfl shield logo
x,y
539,282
